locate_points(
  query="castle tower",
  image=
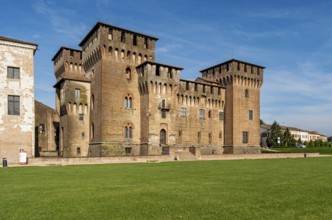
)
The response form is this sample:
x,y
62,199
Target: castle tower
x,y
158,86
110,55
242,109
72,102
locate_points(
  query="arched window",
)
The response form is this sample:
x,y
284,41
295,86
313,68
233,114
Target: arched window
x,y
128,131
246,93
162,136
128,101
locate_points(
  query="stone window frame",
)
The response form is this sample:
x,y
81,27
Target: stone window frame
x,y
13,105
183,112
77,93
201,114
128,101
13,72
250,115
245,137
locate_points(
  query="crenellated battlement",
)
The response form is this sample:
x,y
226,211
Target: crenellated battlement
x,y
237,72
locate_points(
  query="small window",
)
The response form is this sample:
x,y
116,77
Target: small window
x,y
245,67
246,93
203,89
77,93
83,134
128,102
201,114
71,53
110,34
187,85
221,116
41,128
135,40
180,133
92,131
209,113
163,113
196,87
163,103
81,117
146,43
162,136
13,105
183,112
210,138
13,72
78,151
238,67
128,73
123,37
258,72
128,132
199,137
157,70
128,150
251,115
245,137
220,135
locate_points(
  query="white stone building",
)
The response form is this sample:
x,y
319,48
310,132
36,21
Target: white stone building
x,y
17,113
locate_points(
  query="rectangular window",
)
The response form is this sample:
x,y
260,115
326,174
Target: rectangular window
x,y
81,117
163,103
77,93
183,112
13,105
71,53
201,114
203,88
196,89
210,138
251,115
13,72
78,151
128,150
123,37
157,70
110,34
146,43
245,137
187,85
41,128
221,116
135,40
199,137
163,114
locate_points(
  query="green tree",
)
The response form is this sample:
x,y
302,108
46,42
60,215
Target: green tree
x,y
287,139
329,139
275,133
262,122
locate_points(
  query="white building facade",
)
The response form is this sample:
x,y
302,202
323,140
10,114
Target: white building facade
x,y
17,113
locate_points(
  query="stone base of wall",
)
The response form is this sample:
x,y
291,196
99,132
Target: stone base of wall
x,y
242,150
182,156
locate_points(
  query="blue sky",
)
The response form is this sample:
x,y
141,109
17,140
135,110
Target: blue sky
x,y
291,38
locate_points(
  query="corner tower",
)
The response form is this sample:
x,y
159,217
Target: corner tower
x,y
110,55
242,81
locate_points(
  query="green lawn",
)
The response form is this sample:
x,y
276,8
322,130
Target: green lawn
x,y
321,150
240,189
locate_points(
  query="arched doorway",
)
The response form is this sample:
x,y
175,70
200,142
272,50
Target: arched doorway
x,y
162,136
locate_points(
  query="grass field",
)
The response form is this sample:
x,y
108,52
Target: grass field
x,y
243,189
321,150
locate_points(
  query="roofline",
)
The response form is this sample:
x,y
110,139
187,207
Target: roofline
x,y
4,38
186,80
44,104
63,47
112,26
66,78
232,60
145,62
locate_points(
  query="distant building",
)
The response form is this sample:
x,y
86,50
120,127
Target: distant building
x,y
17,113
114,99
296,133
